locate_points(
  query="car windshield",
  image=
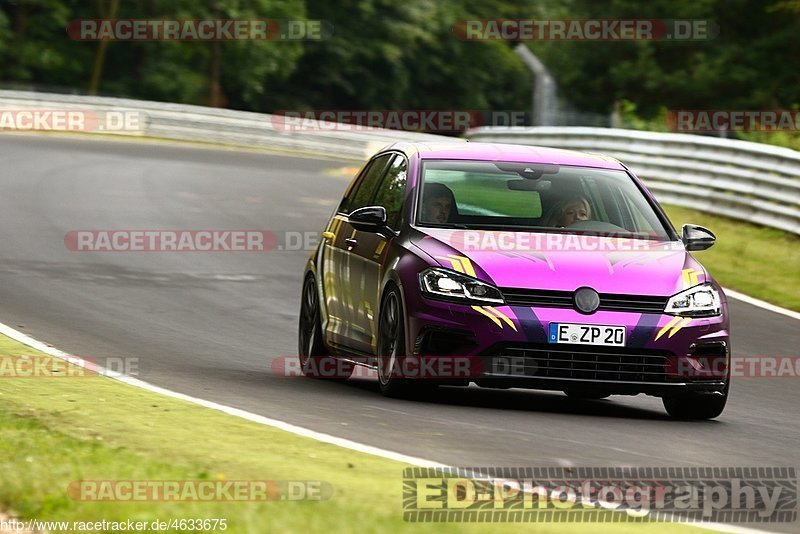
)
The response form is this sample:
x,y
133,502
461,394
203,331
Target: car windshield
x,y
535,197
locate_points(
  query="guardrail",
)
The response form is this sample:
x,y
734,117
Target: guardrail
x,y
183,122
747,181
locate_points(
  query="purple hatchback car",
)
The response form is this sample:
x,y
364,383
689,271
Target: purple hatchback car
x,y
514,266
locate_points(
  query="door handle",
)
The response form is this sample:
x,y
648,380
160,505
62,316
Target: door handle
x,y
350,241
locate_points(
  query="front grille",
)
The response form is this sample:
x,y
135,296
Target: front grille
x,y
563,299
616,364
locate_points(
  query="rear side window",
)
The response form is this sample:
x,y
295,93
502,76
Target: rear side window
x,y
362,193
392,190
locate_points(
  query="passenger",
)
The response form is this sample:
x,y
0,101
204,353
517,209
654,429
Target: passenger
x,y
571,211
438,203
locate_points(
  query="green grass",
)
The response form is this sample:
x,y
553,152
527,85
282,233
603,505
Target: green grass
x,y
761,262
59,430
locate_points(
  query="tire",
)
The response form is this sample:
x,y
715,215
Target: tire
x,y
587,394
312,352
391,346
694,406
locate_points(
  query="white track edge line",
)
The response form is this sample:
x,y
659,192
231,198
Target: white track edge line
x,y
760,303
255,418
282,425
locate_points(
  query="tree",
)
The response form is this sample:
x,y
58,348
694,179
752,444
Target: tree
x,y
389,55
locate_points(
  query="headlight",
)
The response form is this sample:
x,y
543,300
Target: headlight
x,y
442,284
698,301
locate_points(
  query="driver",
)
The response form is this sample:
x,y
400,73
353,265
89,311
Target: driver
x,y
571,211
438,203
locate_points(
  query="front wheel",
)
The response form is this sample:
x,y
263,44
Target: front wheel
x,y
315,360
392,350
693,406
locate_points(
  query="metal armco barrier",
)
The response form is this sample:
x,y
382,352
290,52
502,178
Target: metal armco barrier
x,y
747,181
183,122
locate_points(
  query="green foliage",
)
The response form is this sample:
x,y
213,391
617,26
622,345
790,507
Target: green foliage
x,y
386,54
5,34
33,44
785,139
183,71
628,118
747,66
401,55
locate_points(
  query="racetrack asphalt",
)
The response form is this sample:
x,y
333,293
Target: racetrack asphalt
x,y
210,324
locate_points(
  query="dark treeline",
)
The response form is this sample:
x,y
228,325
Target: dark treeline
x,y
402,54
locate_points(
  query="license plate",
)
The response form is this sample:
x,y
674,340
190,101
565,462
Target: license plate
x,y
587,334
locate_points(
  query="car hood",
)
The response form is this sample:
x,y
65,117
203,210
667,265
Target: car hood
x,y
564,262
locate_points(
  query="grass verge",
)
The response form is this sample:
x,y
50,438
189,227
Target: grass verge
x,y
761,262
57,430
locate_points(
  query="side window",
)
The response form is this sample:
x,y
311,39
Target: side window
x,y
368,183
392,190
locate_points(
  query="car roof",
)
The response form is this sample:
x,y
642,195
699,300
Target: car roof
x,y
457,149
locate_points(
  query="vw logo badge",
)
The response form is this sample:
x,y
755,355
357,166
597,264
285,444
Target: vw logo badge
x,y
586,300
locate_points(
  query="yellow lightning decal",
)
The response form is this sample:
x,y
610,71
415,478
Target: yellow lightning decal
x,y
495,315
675,324
461,264
502,316
678,326
489,315
670,324
379,248
690,277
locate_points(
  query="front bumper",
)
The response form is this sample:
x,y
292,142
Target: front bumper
x,y
507,346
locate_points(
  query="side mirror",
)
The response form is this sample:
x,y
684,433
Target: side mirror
x,y
368,218
697,238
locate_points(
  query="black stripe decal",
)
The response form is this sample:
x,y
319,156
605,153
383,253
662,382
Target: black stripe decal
x,y
644,330
531,325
